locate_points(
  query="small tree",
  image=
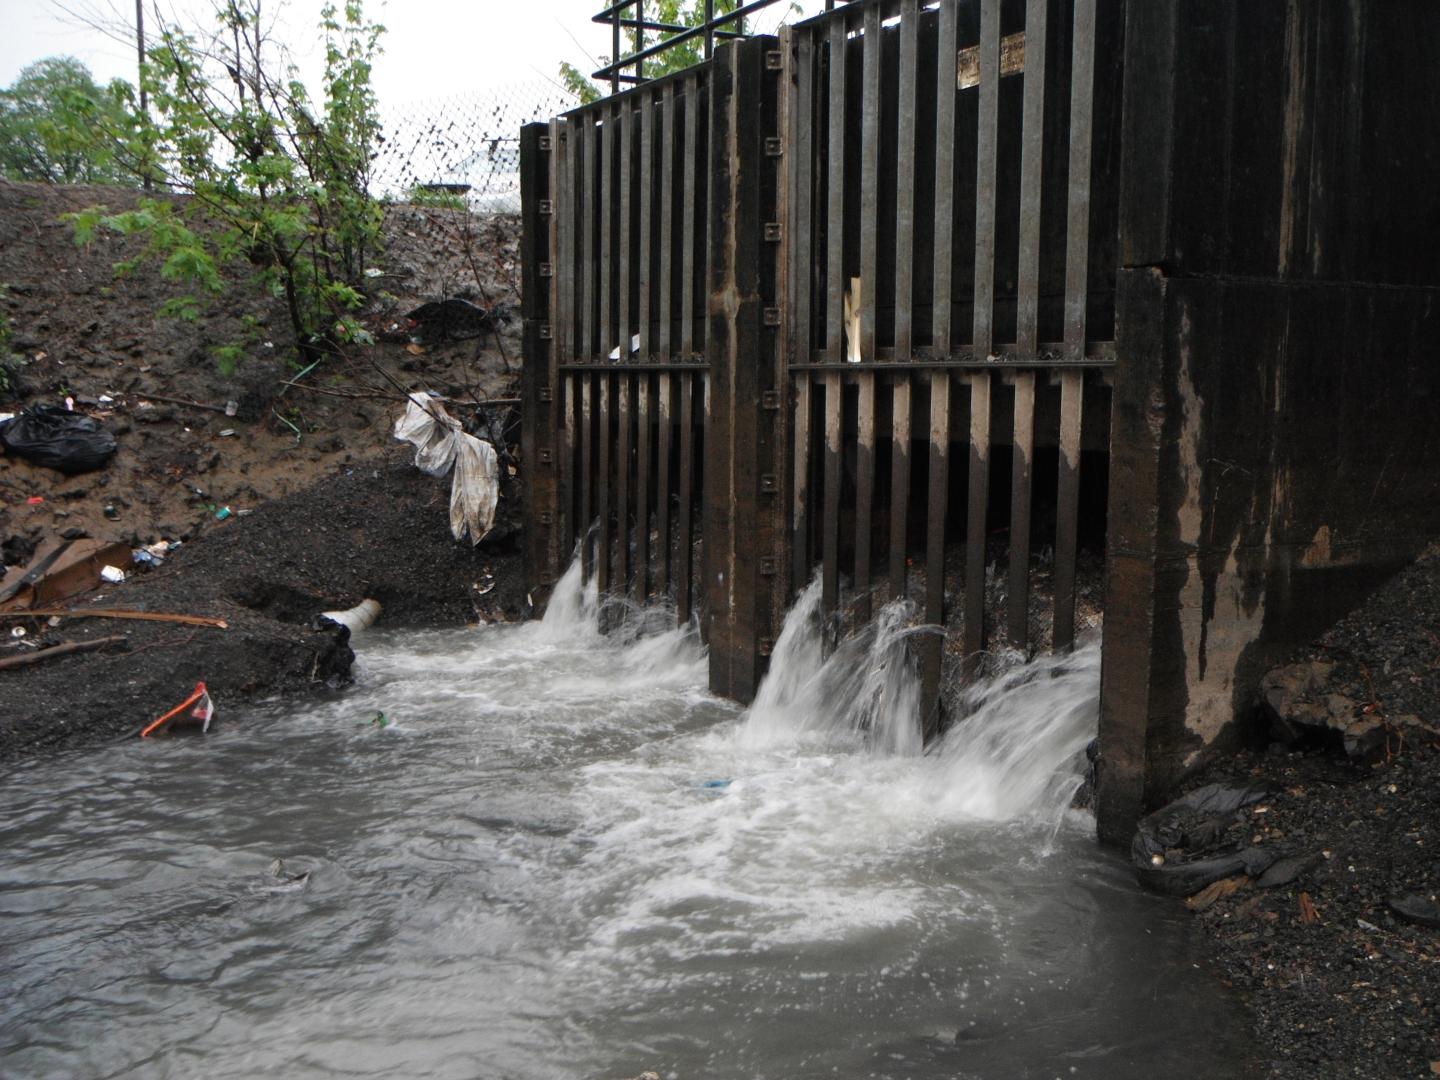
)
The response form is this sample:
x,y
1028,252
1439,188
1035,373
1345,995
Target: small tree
x,y
278,179
56,125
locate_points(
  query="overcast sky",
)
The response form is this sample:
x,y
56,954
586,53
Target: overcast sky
x,y
433,48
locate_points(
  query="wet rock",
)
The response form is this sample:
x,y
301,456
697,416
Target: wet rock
x,y
1422,909
1290,868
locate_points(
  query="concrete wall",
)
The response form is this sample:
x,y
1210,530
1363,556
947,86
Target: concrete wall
x,y
1276,440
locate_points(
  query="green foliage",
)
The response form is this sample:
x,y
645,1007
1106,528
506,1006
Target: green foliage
x,y
57,125
419,195
279,180
687,13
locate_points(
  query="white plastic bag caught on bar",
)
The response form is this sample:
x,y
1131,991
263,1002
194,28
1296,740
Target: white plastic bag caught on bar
x,y
440,444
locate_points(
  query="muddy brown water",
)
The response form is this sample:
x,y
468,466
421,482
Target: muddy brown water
x,y
561,857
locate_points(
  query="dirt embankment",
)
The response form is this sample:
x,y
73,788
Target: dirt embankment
x,y
1341,962
324,508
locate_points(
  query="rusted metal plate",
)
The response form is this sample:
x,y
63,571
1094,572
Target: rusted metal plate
x,y
643,450
623,467
830,524
1012,58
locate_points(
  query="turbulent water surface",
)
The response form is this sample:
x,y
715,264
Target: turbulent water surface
x,y
562,858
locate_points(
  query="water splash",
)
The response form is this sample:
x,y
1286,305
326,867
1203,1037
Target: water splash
x,y
1015,748
644,638
1017,745
866,692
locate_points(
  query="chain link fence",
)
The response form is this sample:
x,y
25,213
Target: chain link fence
x,y
462,147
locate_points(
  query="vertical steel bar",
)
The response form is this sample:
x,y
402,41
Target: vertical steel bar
x,y
1072,383
802,214
899,483
905,182
589,211
587,468
662,483
1077,242
975,515
864,491
665,348
931,653
1018,628
1032,178
945,91
627,217
834,415
869,182
624,582
683,534
835,282
800,522
687,208
602,494
643,444
647,212
984,324
609,136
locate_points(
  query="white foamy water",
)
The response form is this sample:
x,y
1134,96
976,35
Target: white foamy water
x,y
563,858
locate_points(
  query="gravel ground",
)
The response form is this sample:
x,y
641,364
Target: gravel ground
x,y
1339,983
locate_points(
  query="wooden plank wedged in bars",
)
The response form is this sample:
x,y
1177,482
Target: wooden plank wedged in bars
x,y
835,283
864,492
869,180
899,482
830,523
983,334
944,223
1032,177
1077,241
905,181
1072,391
1023,441
975,515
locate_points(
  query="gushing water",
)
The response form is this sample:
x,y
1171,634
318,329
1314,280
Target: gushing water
x,y
563,858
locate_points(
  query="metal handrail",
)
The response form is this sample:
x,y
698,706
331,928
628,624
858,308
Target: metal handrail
x,y
712,28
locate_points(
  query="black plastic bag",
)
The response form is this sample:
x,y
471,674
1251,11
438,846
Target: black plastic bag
x,y
1184,846
49,435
